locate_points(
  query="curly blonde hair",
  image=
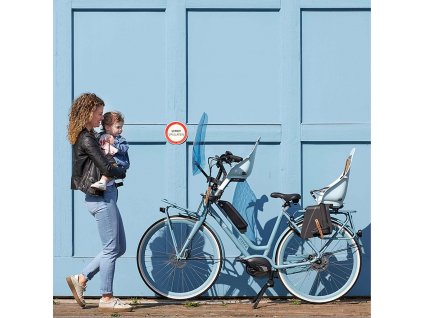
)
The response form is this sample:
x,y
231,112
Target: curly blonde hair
x,y
81,113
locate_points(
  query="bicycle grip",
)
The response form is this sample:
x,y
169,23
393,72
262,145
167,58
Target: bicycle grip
x,y
235,158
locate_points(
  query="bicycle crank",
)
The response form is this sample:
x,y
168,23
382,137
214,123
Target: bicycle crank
x,y
256,266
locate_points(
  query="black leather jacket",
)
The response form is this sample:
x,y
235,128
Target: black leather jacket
x,y
89,163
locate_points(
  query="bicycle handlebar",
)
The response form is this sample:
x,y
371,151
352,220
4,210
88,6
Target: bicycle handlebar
x,y
228,157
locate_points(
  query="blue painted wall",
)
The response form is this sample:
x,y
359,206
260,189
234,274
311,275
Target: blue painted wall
x,y
295,72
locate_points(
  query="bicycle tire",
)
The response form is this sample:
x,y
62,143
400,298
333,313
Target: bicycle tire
x,y
179,279
325,282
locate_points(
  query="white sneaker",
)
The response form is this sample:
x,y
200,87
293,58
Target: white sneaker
x,y
114,305
99,185
76,289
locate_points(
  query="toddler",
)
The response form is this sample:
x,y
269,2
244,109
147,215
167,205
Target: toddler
x,y
113,144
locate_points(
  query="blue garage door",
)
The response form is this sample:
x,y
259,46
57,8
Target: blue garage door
x,y
295,72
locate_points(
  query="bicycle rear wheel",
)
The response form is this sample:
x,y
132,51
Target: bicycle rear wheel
x,y
182,278
328,279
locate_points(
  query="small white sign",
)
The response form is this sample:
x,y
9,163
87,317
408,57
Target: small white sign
x,y
176,132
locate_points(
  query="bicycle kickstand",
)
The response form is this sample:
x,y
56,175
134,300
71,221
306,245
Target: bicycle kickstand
x,y
269,283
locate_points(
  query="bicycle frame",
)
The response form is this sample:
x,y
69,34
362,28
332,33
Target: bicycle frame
x,y
243,242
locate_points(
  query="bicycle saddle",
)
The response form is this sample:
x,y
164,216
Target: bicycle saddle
x,y
294,197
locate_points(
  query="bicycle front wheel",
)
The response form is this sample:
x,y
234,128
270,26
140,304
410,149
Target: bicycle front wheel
x,y
332,276
182,277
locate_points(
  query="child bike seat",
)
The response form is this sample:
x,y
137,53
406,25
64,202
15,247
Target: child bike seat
x,y
243,169
240,171
335,192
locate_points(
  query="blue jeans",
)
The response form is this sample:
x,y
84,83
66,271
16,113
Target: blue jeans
x,y
112,235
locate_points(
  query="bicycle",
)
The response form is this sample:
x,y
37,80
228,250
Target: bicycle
x,y
180,256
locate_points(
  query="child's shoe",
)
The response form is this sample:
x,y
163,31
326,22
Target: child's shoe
x,y
99,185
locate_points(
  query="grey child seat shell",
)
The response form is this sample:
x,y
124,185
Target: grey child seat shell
x,y
335,192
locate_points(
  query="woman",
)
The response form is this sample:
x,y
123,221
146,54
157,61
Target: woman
x,y
88,164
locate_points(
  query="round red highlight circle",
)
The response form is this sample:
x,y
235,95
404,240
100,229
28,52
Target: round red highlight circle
x,y
176,132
